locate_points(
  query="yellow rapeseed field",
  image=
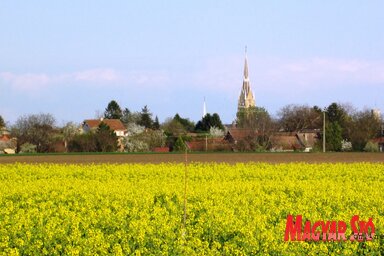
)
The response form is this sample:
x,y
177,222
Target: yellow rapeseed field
x,y
138,209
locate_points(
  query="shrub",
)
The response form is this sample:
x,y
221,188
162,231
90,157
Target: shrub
x,y
27,148
371,147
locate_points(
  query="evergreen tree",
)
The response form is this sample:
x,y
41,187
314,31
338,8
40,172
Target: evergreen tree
x,y
185,122
130,117
172,127
156,124
2,122
113,111
146,118
209,121
336,113
337,125
125,116
333,136
179,145
106,138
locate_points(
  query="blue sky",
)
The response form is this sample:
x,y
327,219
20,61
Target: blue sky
x,y
70,58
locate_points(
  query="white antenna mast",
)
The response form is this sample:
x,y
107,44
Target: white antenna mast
x,y
204,109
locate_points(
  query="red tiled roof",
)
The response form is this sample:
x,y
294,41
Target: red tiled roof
x,y
5,137
114,124
378,140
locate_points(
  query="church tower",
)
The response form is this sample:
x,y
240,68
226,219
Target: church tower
x,y
246,98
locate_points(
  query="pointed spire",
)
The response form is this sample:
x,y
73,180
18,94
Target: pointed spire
x,y
246,65
204,109
246,98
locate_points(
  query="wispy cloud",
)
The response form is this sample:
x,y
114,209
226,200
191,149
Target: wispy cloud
x,y
152,78
36,81
26,81
328,72
97,75
225,74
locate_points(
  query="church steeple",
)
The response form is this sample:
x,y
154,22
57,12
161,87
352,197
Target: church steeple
x,y
204,109
245,65
246,98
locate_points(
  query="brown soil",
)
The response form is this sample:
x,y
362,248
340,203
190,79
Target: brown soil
x,y
197,157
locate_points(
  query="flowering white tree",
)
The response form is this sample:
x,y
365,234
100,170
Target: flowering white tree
x,y
134,129
346,145
139,139
216,132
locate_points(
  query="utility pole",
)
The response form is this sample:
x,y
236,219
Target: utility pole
x,y
185,193
324,131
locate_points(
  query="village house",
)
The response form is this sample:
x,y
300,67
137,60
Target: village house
x,y
115,124
208,144
7,143
294,141
235,135
380,142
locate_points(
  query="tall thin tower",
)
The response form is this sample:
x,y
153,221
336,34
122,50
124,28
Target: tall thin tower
x,y
246,98
204,108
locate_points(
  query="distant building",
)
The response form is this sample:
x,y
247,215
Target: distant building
x,y
380,142
246,98
115,124
376,113
304,140
234,135
7,143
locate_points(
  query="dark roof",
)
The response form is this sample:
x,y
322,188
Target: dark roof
x,y
286,141
308,139
114,124
240,133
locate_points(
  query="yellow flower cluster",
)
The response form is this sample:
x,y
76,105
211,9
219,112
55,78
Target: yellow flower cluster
x,y
138,209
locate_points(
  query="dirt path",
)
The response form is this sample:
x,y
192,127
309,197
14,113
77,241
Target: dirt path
x,y
198,157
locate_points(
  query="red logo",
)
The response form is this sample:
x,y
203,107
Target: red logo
x,y
328,230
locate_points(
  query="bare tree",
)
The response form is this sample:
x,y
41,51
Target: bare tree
x,y
35,129
365,126
299,117
260,128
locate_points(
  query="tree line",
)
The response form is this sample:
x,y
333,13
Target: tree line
x,y
347,129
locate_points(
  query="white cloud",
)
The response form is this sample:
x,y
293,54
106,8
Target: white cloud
x,y
224,74
145,78
97,75
92,77
26,81
329,72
